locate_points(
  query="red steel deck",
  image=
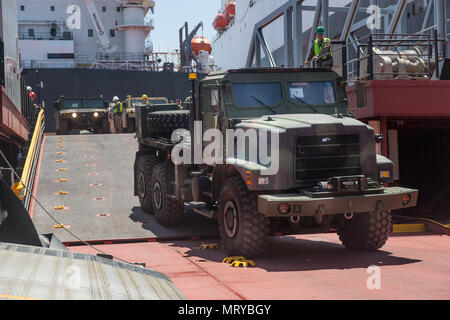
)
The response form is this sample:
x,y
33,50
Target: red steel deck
x,y
403,99
301,267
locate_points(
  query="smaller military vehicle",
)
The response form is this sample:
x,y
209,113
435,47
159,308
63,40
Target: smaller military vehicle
x,y
81,113
130,109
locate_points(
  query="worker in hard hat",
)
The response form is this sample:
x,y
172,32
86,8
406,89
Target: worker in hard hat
x,y
321,51
145,99
117,109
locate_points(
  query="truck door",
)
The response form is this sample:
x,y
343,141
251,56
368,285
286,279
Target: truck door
x,y
210,109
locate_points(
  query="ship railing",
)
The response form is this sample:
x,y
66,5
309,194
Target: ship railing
x,y
24,187
66,35
428,45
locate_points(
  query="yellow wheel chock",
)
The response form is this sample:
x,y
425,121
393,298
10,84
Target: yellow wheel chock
x,y
62,180
243,263
62,192
59,160
237,261
232,259
209,246
59,208
58,226
62,169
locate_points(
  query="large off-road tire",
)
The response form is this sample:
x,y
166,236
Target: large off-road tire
x,y
168,211
131,125
63,127
242,229
365,231
163,123
144,170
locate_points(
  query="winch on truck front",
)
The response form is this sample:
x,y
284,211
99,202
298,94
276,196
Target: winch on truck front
x,y
267,150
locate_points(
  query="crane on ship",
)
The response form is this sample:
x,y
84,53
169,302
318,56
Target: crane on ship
x,y
103,38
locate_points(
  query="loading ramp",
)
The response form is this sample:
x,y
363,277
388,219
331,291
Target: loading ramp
x,y
86,182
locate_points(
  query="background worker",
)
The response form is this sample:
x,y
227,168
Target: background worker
x,y
117,109
145,99
179,104
321,51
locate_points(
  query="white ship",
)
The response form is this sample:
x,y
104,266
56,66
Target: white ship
x,y
290,21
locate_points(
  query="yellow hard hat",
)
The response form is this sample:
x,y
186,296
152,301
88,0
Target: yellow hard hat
x,y
144,96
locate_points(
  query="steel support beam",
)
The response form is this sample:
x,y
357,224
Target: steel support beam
x,y
325,16
400,9
428,14
257,52
298,33
351,15
266,49
439,17
288,49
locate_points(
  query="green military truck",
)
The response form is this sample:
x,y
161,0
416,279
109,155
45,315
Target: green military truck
x,y
329,178
82,114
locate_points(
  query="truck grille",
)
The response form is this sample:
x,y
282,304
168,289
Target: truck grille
x,y
323,157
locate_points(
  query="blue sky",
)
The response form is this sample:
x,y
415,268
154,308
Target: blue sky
x,y
170,16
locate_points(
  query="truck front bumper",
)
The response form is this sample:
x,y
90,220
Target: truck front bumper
x,y
301,205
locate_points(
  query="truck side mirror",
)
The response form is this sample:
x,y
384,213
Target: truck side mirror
x,y
361,98
378,138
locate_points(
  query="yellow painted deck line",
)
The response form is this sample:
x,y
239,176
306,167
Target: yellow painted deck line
x,y
410,227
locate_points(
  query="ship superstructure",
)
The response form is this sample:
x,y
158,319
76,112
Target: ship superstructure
x,y
85,33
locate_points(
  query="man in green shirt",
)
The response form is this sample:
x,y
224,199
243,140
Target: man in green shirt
x,y
321,51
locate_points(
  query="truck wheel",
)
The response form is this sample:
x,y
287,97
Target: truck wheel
x,y
168,211
365,231
144,171
131,125
242,229
64,127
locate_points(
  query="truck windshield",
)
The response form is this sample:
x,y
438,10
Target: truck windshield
x,y
137,102
158,101
318,92
68,104
93,104
268,92
77,104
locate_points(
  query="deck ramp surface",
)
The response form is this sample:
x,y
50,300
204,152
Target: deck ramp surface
x,y
99,204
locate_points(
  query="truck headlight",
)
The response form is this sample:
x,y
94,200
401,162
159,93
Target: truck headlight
x,y
95,114
385,174
74,115
406,199
284,208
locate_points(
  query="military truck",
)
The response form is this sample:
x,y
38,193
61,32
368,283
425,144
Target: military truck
x,y
81,113
330,178
130,105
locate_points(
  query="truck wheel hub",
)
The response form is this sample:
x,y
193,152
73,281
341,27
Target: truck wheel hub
x,y
230,219
157,195
141,185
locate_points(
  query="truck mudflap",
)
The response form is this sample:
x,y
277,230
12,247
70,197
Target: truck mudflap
x,y
302,205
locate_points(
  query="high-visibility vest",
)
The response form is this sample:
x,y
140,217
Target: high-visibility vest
x,y
121,108
318,49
